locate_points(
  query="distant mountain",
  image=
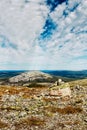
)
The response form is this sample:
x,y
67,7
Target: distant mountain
x,y
5,74
68,74
30,76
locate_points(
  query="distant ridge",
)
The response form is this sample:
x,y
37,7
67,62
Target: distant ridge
x,y
80,74
70,74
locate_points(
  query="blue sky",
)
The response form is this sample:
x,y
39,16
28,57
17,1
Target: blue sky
x,y
43,34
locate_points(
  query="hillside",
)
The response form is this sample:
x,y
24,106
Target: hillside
x,y
81,82
30,76
80,74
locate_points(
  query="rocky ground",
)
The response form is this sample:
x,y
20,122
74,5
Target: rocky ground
x,y
23,108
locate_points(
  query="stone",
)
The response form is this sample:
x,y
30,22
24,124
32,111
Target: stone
x,y
77,87
61,92
54,93
65,92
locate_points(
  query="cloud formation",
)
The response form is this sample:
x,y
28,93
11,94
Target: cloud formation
x,y
48,34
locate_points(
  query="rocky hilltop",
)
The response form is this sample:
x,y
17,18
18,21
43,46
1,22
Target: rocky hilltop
x,y
30,76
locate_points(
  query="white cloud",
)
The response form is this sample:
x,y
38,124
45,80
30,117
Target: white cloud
x,y
22,23
66,45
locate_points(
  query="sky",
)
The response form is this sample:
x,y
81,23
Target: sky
x,y
43,34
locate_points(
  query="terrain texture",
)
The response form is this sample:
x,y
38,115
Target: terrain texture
x,y
34,108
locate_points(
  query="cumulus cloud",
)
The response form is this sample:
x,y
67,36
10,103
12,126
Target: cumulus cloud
x,y
68,40
36,34
21,23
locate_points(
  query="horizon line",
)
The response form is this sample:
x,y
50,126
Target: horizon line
x,y
44,70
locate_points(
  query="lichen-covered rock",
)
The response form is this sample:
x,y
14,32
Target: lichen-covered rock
x,y
61,90
65,91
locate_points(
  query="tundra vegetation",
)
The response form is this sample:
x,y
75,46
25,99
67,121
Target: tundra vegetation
x,y
33,107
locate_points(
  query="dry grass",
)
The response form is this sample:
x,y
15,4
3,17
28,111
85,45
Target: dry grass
x,y
28,122
3,124
49,99
24,91
69,123
65,110
82,82
72,123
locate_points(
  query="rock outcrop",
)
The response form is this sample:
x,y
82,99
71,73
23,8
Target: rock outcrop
x,y
30,76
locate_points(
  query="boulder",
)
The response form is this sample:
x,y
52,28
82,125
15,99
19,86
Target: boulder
x,y
65,92
62,90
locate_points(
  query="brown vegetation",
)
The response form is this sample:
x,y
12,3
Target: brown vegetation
x,y
82,82
3,124
24,91
33,121
65,110
33,108
49,99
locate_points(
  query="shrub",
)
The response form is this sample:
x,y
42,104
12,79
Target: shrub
x,y
35,85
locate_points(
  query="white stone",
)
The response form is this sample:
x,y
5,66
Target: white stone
x,y
61,92
65,91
